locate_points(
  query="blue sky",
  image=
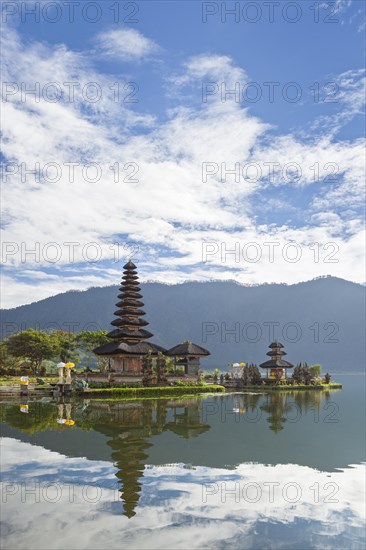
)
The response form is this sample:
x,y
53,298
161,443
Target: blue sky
x,y
306,147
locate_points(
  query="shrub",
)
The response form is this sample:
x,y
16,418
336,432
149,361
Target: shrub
x,y
307,375
315,370
156,392
104,385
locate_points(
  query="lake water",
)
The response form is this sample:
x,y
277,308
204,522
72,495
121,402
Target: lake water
x,y
241,471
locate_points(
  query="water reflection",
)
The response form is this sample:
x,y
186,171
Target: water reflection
x,y
130,425
127,425
281,407
174,511
131,429
178,473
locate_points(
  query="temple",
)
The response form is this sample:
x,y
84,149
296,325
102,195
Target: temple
x,y
129,344
187,355
276,366
129,337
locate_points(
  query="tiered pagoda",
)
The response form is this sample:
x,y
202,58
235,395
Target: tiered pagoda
x,y
129,344
276,366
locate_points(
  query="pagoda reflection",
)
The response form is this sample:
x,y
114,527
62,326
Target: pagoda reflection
x,y
275,406
131,427
282,407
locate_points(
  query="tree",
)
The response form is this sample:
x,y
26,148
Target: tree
x,y
315,370
306,374
297,374
327,378
251,376
245,377
255,375
65,343
8,363
89,340
33,345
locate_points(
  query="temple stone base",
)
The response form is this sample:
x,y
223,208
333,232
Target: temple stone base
x,y
126,378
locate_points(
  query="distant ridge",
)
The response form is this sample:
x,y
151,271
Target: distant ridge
x,y
321,320
152,281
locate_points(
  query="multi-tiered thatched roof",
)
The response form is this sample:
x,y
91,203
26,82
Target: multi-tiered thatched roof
x,y
276,360
129,337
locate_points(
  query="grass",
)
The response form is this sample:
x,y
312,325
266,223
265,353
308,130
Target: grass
x,y
15,380
289,387
153,392
331,386
11,380
12,383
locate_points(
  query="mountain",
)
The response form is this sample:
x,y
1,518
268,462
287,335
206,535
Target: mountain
x,y
319,321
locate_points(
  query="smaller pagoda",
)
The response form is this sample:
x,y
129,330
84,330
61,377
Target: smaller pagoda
x,y
276,366
188,355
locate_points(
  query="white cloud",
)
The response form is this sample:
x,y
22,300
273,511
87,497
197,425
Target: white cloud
x,y
125,44
342,5
217,68
170,206
352,90
218,519
20,290
346,92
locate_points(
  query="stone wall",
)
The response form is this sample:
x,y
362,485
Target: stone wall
x,y
116,378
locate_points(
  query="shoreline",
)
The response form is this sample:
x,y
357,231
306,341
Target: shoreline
x,y
151,392
300,387
164,391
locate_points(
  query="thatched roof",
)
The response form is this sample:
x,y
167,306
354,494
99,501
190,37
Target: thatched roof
x,y
130,265
129,322
129,295
129,334
275,363
122,348
130,277
127,312
187,430
127,302
129,286
276,344
276,353
187,348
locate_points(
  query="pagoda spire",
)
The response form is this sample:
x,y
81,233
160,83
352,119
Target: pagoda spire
x,y
129,322
276,351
